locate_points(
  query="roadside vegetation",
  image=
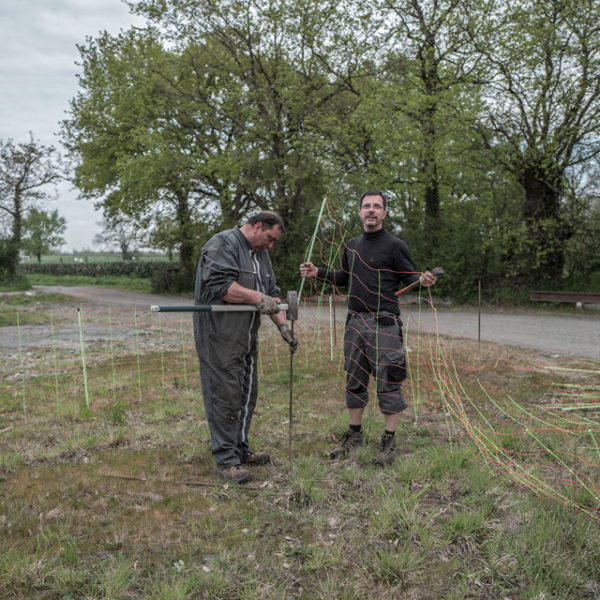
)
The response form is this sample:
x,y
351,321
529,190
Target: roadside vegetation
x,y
128,283
111,495
12,305
510,300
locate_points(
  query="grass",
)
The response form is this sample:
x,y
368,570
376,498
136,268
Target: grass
x,y
117,499
129,283
24,283
19,283
28,308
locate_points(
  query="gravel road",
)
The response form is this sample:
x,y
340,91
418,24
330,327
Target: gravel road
x,y
572,335
577,335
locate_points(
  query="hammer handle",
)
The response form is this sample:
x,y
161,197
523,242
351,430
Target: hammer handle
x,y
209,308
436,271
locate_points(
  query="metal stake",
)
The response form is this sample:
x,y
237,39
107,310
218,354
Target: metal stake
x,y
291,396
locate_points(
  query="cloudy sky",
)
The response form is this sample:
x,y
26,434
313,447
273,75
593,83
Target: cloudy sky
x,y
38,78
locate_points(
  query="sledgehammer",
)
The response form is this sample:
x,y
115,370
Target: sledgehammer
x,y
436,271
291,307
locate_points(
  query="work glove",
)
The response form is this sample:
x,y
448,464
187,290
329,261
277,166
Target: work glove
x,y
267,305
289,336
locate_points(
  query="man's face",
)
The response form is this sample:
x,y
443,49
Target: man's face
x,y
264,239
372,213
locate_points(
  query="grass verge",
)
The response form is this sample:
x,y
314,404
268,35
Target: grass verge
x,y
128,283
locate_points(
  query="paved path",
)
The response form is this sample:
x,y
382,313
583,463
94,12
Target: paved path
x,y
577,335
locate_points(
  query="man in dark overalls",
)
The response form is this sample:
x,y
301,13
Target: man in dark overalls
x,y
374,266
235,268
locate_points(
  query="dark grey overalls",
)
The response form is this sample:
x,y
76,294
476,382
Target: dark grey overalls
x,y
227,342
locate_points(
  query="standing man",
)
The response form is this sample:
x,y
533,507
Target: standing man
x,y
374,266
235,268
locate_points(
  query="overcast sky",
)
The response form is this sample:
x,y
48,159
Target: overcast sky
x,y
38,78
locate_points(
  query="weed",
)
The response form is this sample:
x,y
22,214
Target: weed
x,y
442,463
118,412
396,566
307,478
117,577
467,523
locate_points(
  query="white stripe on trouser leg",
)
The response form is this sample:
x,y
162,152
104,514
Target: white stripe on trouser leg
x,y
249,368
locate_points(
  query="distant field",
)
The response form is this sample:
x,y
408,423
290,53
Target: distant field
x,y
100,257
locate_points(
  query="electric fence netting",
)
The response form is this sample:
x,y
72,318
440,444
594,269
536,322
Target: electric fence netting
x,y
549,446
69,361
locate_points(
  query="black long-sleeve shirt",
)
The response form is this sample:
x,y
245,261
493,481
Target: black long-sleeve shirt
x,y
374,266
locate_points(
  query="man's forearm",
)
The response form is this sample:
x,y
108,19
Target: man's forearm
x,y
339,277
278,318
237,294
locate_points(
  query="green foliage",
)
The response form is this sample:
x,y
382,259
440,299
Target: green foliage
x,y
43,231
222,108
9,258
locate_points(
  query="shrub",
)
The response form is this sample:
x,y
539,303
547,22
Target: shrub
x,y
9,254
171,278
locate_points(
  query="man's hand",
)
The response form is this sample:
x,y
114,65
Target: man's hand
x,y
427,279
308,270
289,336
267,305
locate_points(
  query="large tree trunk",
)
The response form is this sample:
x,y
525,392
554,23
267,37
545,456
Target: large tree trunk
x,y
14,245
429,167
186,236
546,230
125,254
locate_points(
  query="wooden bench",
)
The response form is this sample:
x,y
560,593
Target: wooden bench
x,y
579,298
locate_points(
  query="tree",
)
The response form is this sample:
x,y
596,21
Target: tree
x,y
582,251
542,116
472,115
277,92
43,232
27,170
431,47
124,233
134,158
233,117
409,136
164,237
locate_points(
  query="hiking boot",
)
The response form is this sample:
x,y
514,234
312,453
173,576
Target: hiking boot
x,y
255,458
234,473
387,450
350,440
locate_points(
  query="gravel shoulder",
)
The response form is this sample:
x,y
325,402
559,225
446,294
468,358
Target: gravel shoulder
x,y
553,334
110,297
